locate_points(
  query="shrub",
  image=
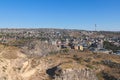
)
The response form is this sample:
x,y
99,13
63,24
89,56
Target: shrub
x,y
66,50
100,76
53,52
90,66
78,59
88,60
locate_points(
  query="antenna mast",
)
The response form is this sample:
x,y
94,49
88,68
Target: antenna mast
x,y
95,27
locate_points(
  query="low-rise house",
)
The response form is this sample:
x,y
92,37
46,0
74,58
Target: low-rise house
x,y
117,44
79,47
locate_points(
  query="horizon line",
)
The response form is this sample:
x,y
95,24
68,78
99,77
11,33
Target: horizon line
x,y
62,29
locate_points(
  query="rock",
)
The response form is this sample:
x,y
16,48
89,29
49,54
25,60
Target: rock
x,y
111,64
77,74
54,71
107,76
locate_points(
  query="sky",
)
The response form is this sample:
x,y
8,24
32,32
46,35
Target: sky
x,y
63,14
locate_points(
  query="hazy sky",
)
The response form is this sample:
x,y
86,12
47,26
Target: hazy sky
x,y
72,14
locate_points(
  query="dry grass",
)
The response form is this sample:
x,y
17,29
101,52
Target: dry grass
x,y
83,60
9,52
94,63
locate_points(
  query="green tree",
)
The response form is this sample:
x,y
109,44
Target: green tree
x,y
110,46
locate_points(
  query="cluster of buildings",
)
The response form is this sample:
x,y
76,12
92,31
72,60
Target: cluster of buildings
x,y
79,44
62,38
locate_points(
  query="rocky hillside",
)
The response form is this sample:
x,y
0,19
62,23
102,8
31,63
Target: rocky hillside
x,y
73,65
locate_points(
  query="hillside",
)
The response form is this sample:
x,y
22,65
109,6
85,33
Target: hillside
x,y
73,65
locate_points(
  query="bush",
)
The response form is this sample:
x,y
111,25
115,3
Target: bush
x,y
110,46
66,50
100,76
90,66
78,59
88,60
53,52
